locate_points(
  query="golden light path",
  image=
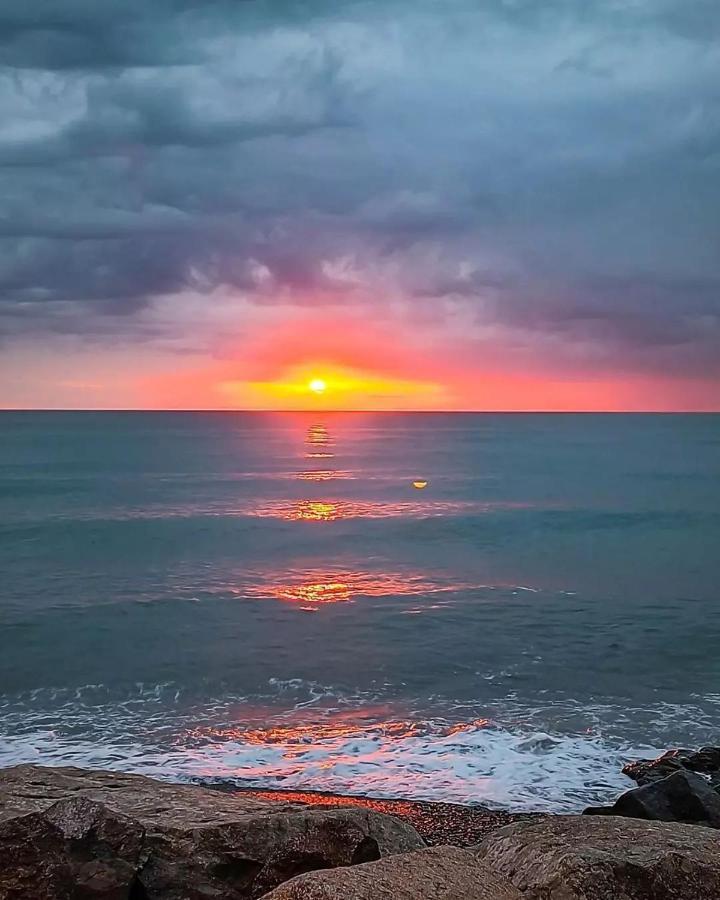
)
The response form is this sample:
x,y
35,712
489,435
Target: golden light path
x,y
323,586
336,510
294,737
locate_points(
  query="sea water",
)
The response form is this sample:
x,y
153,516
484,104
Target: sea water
x,y
267,598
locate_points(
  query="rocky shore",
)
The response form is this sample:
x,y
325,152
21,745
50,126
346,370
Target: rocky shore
x,y
436,823
76,834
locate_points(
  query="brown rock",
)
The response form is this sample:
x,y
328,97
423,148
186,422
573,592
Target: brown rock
x,y
196,843
438,873
586,858
74,848
28,788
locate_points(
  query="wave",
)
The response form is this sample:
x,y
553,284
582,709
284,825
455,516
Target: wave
x,y
472,765
555,757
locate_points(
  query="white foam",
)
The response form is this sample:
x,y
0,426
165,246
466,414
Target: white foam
x,y
483,765
556,755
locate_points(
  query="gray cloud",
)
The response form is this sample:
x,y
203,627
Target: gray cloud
x,y
550,168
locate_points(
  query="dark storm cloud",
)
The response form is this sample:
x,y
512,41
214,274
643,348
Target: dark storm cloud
x,y
89,34
673,324
551,168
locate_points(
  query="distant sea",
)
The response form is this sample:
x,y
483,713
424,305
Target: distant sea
x,y
267,598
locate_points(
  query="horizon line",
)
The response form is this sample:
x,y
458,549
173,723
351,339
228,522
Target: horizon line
x,y
226,409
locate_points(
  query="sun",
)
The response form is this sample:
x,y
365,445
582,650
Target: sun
x,y
317,385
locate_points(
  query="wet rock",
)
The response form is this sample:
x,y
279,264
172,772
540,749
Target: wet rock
x,y
74,848
29,788
194,843
706,761
683,796
538,743
257,852
585,858
439,873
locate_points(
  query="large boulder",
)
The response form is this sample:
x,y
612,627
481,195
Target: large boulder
x,y
182,842
438,873
606,858
644,771
74,848
681,797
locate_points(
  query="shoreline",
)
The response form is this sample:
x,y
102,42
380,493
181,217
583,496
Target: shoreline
x,y
437,822
75,832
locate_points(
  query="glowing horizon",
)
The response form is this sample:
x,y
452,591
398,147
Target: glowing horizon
x,y
327,385
344,363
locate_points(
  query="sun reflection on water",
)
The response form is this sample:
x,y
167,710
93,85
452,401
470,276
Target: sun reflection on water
x,y
318,443
319,587
317,434
296,737
314,511
314,592
334,510
382,749
323,475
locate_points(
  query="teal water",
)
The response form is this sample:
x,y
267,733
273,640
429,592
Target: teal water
x,y
267,598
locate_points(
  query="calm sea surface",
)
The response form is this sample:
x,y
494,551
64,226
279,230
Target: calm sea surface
x,y
267,598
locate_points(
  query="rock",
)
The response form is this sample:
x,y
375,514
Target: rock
x,y
585,858
194,843
645,771
28,788
681,797
438,873
74,848
706,760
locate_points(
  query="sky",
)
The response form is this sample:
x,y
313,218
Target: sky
x,y
386,204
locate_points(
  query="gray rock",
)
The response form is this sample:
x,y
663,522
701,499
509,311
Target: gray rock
x,y
440,873
681,797
706,760
175,842
585,858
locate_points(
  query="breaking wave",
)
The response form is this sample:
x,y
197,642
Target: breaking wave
x,y
304,735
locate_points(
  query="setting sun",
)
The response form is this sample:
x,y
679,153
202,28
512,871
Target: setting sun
x,y
324,384
317,385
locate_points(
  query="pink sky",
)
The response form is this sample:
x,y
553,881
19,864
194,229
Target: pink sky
x,y
395,363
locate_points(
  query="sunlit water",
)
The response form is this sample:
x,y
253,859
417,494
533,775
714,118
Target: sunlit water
x,y
267,598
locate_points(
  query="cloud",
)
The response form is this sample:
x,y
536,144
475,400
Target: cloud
x,y
73,34
543,175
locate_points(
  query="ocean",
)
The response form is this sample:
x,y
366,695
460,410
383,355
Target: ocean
x,y
266,598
